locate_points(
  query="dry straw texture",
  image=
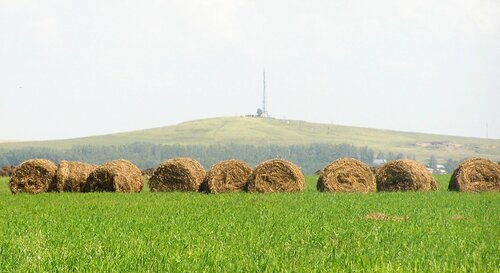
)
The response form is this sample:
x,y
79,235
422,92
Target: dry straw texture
x,y
476,175
276,175
347,175
404,175
72,176
226,176
33,176
179,174
115,176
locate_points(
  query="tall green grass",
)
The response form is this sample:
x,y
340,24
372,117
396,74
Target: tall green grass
x,y
309,231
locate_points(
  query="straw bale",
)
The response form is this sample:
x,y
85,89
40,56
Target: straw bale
x,y
404,175
276,175
179,174
347,175
226,176
72,176
476,175
115,176
33,176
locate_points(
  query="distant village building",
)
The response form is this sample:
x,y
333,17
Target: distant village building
x,y
378,162
439,169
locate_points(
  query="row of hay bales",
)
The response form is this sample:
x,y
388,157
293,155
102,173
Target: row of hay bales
x,y
42,175
180,174
186,174
351,175
277,175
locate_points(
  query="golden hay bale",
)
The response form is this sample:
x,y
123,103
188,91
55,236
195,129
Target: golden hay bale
x,y
347,175
276,175
115,176
33,176
226,176
404,175
476,175
72,176
179,174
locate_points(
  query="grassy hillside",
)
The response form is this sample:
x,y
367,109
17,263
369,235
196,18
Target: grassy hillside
x,y
256,131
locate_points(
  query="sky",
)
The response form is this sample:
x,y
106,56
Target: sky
x,y
79,68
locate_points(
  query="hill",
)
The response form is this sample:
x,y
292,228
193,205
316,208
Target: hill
x,y
258,131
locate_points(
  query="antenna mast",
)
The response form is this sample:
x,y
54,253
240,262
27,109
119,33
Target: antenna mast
x,y
264,106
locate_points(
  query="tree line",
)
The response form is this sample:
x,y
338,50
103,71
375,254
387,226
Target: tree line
x,y
310,158
147,155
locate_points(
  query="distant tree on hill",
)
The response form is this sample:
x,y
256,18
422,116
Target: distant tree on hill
x,y
450,165
259,112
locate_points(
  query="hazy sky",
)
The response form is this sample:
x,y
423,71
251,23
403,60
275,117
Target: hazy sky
x,y
77,68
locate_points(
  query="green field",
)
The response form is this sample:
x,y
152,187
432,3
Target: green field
x,y
294,232
258,131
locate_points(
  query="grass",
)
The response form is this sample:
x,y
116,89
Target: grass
x,y
256,131
294,232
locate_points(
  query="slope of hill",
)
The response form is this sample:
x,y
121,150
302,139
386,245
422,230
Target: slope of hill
x,y
257,131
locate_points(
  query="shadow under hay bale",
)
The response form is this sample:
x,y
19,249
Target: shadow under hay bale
x,y
276,175
476,175
226,176
72,176
347,175
33,176
404,175
179,174
115,176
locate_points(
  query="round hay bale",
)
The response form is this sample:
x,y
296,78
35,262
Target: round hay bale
x,y
476,175
404,175
115,176
276,175
226,176
347,175
179,174
33,176
72,176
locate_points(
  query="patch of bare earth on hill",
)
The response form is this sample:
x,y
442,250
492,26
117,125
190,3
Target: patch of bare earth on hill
x,y
384,217
444,145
